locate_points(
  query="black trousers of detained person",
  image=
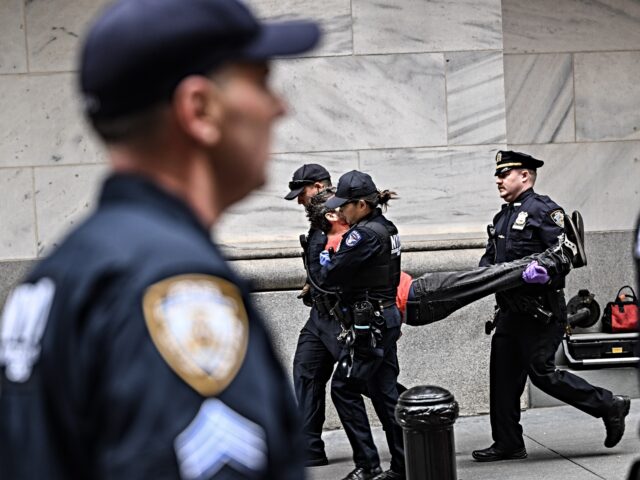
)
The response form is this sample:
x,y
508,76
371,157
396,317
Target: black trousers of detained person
x,y
436,295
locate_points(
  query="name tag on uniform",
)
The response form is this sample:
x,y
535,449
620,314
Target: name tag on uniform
x,y
521,221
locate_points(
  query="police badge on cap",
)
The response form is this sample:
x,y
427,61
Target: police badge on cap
x,y
507,160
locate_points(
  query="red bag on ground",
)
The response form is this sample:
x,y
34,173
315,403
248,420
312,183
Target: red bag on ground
x,y
621,315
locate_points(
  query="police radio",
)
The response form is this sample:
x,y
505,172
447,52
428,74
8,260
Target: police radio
x,y
362,318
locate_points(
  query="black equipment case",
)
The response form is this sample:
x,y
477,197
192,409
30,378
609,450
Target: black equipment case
x,y
589,350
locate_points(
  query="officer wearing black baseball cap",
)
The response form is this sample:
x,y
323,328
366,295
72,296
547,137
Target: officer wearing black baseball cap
x,y
317,348
352,186
147,357
305,176
366,270
137,51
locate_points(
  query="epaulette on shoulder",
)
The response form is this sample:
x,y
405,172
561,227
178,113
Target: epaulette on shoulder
x,y
547,202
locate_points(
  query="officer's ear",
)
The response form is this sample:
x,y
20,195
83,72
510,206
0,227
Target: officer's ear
x,y
197,103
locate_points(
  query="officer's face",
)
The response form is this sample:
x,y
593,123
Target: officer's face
x,y
307,192
511,184
248,109
354,211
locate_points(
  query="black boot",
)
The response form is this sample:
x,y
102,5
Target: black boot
x,y
574,238
570,252
360,473
390,475
614,420
494,454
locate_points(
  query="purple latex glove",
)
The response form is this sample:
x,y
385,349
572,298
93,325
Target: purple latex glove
x,y
535,273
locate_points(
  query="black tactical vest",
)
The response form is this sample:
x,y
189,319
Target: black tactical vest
x,y
379,278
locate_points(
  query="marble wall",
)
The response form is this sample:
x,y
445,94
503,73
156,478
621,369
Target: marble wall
x,y
421,94
571,98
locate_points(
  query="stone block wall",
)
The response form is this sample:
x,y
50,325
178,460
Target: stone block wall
x,y
419,94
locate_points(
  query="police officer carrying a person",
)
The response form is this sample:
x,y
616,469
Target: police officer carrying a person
x,y
317,349
531,320
365,271
133,350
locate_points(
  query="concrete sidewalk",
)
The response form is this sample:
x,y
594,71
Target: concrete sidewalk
x,y
563,444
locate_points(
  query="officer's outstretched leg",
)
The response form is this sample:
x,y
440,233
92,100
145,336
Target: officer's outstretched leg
x,y
572,389
434,296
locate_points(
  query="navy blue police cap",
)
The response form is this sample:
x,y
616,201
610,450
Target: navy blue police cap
x,y
307,174
137,51
352,185
507,160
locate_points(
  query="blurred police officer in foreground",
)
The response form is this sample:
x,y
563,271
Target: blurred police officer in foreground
x,y
366,271
531,320
317,349
133,351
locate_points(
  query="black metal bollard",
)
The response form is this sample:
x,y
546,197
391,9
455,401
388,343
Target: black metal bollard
x,y
427,414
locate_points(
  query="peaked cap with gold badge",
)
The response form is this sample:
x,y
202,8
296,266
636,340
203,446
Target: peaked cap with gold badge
x,y
507,160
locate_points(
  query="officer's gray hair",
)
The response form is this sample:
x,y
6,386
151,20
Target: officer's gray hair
x,y
534,176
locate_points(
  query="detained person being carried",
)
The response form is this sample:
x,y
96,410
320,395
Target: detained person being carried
x,y
436,295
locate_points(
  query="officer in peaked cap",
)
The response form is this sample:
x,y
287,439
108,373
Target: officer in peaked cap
x,y
133,350
307,181
531,319
508,160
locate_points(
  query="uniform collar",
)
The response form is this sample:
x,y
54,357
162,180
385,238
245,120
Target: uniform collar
x,y
521,198
125,188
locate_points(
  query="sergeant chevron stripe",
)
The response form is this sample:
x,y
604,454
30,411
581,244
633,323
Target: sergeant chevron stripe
x,y
219,436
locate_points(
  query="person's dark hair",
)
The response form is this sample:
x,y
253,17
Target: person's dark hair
x,y
126,128
381,197
316,209
144,124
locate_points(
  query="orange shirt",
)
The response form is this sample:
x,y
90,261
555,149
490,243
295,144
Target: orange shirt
x,y
333,242
403,291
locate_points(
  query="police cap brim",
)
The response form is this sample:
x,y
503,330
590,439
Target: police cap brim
x,y
294,193
335,202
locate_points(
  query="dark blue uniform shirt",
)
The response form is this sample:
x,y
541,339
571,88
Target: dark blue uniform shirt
x,y
133,351
531,224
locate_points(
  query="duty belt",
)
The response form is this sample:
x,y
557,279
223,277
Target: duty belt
x,y
382,304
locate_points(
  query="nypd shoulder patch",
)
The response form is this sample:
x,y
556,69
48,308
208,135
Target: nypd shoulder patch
x,y
200,326
353,238
558,217
220,436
